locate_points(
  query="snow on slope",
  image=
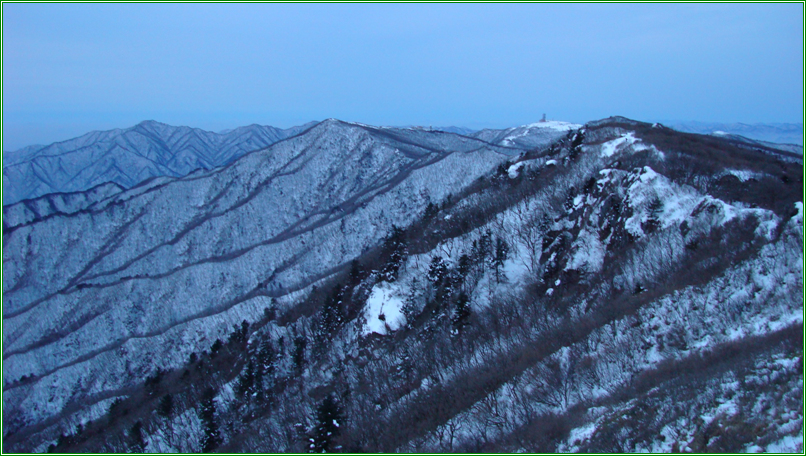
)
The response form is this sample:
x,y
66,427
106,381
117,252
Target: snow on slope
x,y
383,312
527,136
172,265
613,270
127,157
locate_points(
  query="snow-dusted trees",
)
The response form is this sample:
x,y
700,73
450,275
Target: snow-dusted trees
x,y
328,418
462,312
300,344
395,251
210,434
527,230
652,222
500,256
245,385
437,270
331,317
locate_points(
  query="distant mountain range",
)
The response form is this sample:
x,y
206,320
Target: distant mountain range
x,y
780,133
127,157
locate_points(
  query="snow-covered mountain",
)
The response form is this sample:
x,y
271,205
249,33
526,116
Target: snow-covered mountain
x,y
127,157
171,264
614,287
526,136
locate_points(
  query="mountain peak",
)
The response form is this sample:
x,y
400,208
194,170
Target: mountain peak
x,y
151,123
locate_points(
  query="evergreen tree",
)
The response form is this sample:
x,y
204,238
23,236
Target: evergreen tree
x,y
166,406
462,314
569,199
409,307
395,251
244,387
266,355
138,443
328,421
484,249
501,255
331,317
216,347
430,211
576,145
653,219
356,274
300,344
211,438
437,270
464,266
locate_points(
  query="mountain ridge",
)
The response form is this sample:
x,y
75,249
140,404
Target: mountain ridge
x,y
129,156
427,281
151,148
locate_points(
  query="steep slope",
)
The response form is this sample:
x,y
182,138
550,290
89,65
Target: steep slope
x,y
600,293
127,157
168,266
27,211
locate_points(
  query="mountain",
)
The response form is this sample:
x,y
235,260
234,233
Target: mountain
x,y
794,148
780,133
616,287
457,130
527,136
127,157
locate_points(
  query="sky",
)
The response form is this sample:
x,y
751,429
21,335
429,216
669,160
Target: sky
x,y
72,68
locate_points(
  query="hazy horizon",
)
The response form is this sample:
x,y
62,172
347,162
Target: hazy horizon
x,y
69,69
224,130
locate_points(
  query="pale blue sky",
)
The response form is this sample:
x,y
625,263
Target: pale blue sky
x,y
72,68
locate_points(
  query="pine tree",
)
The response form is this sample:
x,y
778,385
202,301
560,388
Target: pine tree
x,y
138,443
245,384
266,355
653,219
211,438
501,255
328,421
484,249
462,313
576,145
300,344
395,250
356,274
166,406
217,345
430,211
464,266
331,317
437,270
409,308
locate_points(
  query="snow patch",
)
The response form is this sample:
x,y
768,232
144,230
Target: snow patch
x,y
743,174
588,254
514,170
611,147
553,125
384,309
788,444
